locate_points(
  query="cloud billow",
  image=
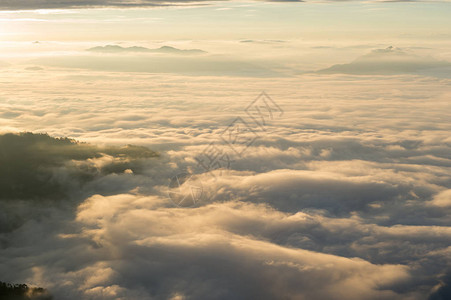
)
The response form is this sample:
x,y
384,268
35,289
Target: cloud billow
x,y
344,197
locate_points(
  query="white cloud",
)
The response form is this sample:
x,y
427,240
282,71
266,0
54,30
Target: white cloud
x,y
442,199
333,199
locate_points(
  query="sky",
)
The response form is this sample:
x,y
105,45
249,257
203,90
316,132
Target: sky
x,y
225,150
232,20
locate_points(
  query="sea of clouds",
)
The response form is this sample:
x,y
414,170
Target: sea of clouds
x,y
346,195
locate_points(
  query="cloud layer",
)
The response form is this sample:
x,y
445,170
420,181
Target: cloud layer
x,y
344,196
49,4
68,4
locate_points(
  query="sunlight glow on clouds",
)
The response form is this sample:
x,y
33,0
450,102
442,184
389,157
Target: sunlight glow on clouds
x,y
347,190
346,195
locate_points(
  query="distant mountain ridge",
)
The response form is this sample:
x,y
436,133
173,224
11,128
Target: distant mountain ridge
x,y
390,60
138,49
